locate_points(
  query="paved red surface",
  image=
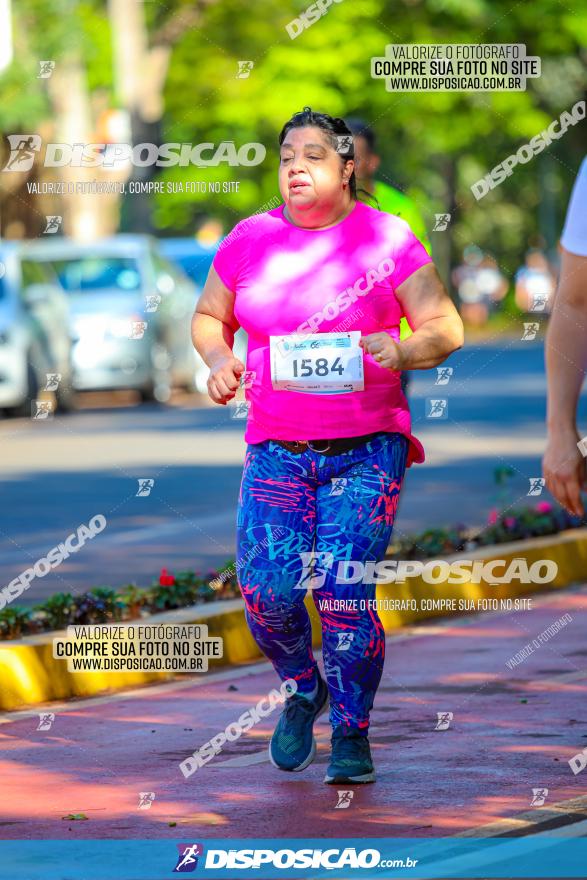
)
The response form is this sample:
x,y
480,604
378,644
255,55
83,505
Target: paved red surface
x,y
512,731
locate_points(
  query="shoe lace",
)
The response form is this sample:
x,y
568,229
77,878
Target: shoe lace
x,y
297,711
352,747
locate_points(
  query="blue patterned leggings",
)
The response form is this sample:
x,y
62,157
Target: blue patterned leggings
x,y
298,517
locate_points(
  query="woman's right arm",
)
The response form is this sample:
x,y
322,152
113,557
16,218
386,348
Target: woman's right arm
x,y
213,329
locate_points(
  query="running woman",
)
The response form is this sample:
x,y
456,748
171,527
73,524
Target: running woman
x,y
320,284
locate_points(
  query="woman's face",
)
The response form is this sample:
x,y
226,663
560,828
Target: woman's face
x,y
311,172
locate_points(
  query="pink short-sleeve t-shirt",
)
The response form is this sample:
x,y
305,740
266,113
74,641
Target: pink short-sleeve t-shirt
x,y
287,279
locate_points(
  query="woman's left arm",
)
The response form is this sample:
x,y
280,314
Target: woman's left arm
x,y
438,329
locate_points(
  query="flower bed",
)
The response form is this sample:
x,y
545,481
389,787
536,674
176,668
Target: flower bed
x,y
511,525
105,605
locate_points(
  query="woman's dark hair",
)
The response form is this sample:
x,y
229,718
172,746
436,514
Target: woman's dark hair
x,y
335,129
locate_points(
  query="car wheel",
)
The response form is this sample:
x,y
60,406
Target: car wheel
x,y
32,390
158,392
66,399
147,394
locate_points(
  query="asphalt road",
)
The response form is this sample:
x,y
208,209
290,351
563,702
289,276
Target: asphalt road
x,y
58,474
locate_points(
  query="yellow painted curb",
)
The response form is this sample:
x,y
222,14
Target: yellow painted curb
x,y
29,674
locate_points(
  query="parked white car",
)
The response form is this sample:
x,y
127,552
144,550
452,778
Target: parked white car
x,y
35,347
129,314
195,260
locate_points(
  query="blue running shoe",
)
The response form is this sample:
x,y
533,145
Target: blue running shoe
x,y
351,758
292,745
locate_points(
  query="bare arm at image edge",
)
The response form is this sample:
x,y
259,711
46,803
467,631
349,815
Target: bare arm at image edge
x,y
566,362
566,357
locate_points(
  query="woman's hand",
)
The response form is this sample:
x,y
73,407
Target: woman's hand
x,y
563,467
384,349
224,379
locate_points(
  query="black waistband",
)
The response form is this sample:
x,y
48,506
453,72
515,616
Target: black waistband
x,y
335,446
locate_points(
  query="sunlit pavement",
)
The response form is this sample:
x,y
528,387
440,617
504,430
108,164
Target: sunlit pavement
x,y
56,475
512,731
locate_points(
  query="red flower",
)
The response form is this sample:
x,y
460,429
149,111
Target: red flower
x,y
492,518
544,507
166,579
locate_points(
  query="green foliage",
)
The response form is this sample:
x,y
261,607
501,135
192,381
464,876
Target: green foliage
x,y
99,605
57,611
431,543
13,621
527,522
41,30
510,525
132,598
425,139
96,45
433,145
105,605
188,589
502,477
502,474
182,592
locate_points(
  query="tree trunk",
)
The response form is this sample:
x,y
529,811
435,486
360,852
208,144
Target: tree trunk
x,y
85,215
140,78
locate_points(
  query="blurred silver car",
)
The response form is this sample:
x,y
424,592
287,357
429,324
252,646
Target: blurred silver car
x,y
35,347
129,314
195,260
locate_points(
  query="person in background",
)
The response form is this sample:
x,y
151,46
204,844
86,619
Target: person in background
x,y
388,198
535,283
563,464
480,285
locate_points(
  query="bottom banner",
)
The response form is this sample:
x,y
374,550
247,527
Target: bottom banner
x,y
530,857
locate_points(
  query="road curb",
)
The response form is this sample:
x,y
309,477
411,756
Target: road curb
x,y
29,675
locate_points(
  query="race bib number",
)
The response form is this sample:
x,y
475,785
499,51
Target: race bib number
x,y
317,363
